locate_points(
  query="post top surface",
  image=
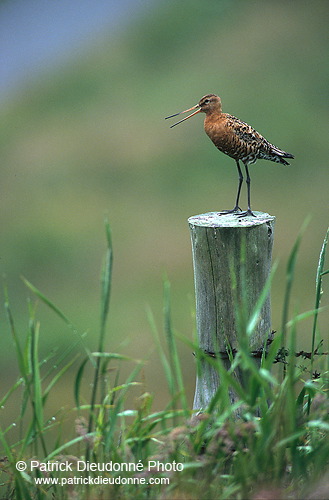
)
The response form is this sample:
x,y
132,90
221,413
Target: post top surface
x,y
215,219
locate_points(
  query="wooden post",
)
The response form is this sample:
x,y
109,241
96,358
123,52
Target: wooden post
x,y
217,242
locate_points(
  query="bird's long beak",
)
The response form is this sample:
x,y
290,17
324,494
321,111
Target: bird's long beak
x,y
197,107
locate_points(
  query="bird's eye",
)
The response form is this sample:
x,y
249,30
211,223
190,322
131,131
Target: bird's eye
x,y
206,101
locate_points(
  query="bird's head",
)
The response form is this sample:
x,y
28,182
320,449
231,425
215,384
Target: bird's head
x,y
208,104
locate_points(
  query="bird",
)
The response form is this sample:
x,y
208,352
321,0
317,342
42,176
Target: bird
x,y
236,139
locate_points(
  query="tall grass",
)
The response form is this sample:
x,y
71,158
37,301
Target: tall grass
x,y
278,446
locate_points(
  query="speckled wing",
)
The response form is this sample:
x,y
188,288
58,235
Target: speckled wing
x,y
249,144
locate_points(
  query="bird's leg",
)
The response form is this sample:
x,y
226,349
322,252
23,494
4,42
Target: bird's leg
x,y
249,211
236,208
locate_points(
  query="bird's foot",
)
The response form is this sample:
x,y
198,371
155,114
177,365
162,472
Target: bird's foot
x,y
234,210
246,213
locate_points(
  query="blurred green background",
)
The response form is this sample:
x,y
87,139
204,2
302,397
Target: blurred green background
x,y
86,138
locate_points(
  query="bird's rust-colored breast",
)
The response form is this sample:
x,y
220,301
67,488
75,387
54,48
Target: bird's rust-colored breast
x,y
215,126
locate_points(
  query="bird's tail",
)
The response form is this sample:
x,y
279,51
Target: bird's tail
x,y
281,155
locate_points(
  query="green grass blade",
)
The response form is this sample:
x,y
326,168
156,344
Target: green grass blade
x,y
21,489
255,314
77,382
111,424
57,376
106,279
36,380
318,293
67,445
37,398
48,302
22,364
173,353
10,392
290,272
304,315
164,360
